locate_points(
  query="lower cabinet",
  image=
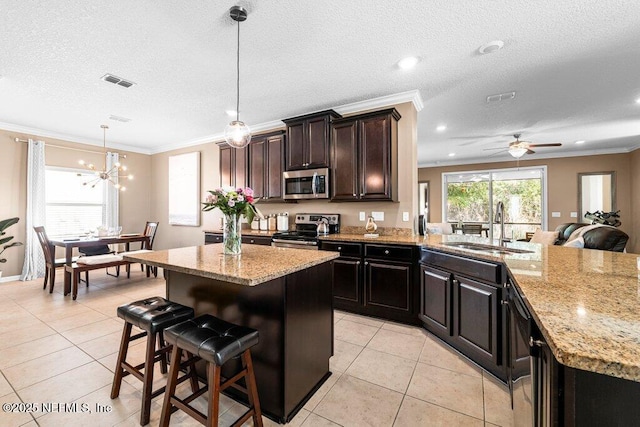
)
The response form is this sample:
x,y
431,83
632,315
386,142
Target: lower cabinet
x,y
375,280
211,238
465,312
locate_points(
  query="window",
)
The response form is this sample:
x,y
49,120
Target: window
x,y
72,208
471,197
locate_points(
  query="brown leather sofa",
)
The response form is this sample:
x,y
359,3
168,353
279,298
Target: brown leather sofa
x,y
605,238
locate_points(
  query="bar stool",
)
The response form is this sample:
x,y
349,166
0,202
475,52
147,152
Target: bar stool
x,y
153,316
215,341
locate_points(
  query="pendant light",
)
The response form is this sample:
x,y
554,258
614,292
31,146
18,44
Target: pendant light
x,y
237,134
111,175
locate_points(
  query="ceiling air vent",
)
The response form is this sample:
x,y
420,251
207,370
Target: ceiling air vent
x,y
500,97
119,119
116,80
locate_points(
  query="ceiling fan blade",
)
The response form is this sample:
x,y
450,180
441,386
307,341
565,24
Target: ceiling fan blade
x,y
504,150
497,148
530,151
555,144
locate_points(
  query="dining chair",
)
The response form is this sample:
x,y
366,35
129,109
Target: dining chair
x,y
51,263
472,229
150,229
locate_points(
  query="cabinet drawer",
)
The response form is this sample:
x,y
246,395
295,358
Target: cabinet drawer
x,y
388,252
212,238
482,270
345,249
257,240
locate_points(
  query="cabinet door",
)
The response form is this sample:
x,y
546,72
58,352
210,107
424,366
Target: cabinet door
x,y
257,166
435,300
387,285
317,142
227,165
344,161
274,163
295,146
375,158
346,280
476,314
241,164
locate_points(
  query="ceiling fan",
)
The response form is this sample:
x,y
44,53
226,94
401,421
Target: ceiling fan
x,y
519,148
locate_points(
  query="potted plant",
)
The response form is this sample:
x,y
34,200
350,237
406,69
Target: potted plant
x,y
4,241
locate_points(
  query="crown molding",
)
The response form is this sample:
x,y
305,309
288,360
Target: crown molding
x,y
41,133
538,157
412,96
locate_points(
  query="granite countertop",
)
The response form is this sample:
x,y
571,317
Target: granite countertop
x,y
586,302
256,264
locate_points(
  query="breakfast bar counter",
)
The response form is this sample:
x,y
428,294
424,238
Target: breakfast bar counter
x,y
283,293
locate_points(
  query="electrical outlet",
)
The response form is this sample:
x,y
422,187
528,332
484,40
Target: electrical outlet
x,y
574,214
378,216
362,216
555,214
405,216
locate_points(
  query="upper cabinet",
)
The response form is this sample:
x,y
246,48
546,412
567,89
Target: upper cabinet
x,y
364,157
307,144
266,164
233,166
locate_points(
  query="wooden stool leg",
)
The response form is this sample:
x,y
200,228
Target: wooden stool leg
x,y
46,277
164,356
193,375
252,390
148,379
52,278
176,355
122,356
213,376
76,278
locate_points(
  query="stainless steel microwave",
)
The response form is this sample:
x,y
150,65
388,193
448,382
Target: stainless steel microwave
x,y
306,184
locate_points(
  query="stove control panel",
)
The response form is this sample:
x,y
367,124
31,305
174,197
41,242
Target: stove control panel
x,y
314,218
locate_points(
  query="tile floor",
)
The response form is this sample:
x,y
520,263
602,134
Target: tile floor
x,y
56,350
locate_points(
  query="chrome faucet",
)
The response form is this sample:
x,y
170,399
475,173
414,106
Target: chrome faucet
x,y
499,219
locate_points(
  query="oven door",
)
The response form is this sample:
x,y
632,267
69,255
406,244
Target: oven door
x,y
306,184
296,244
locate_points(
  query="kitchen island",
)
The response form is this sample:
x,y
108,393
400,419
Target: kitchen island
x,y
283,293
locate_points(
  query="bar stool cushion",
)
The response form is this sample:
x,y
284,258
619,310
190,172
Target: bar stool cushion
x,y
154,314
214,340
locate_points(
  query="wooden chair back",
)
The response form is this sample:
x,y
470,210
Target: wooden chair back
x,y
150,230
47,248
472,229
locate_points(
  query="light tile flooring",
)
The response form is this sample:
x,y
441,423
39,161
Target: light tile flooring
x,y
56,350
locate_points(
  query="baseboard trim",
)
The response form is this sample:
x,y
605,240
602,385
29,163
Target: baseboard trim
x,y
9,279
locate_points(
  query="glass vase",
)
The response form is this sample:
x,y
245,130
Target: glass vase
x,y
232,236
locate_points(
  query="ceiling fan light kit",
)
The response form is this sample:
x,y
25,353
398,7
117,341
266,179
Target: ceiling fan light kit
x,y
237,134
517,152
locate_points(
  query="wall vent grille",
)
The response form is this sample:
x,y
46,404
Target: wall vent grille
x,y
117,80
500,97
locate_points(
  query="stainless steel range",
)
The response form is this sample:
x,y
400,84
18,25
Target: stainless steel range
x,y
308,228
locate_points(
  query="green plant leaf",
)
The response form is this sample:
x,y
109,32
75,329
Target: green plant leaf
x,y
6,223
5,240
12,245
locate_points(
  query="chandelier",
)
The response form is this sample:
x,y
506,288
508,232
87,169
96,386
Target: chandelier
x,y
237,134
111,175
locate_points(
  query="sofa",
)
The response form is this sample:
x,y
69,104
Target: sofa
x,y
604,237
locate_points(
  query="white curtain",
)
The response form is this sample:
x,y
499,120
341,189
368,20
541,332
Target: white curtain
x,y
34,265
112,195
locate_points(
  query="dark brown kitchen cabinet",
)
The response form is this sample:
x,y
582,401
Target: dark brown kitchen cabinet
x,y
364,157
266,161
308,140
233,166
375,280
211,237
435,299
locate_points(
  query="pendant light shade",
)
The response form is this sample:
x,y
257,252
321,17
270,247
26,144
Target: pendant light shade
x,y
517,152
237,134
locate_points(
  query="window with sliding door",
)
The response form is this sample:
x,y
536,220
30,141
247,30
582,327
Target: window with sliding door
x,y
72,208
470,197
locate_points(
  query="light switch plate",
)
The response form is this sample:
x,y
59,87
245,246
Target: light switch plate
x,y
405,216
555,214
362,216
574,214
378,216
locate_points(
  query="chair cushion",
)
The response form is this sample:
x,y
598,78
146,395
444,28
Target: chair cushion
x,y
154,314
215,340
544,237
99,259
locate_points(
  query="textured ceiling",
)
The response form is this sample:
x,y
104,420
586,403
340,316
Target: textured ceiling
x,y
575,66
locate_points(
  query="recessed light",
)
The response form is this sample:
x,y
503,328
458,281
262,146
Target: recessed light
x,y
638,101
441,128
408,62
452,154
491,47
231,113
580,142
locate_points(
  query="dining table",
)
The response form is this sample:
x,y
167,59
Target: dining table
x,y
69,243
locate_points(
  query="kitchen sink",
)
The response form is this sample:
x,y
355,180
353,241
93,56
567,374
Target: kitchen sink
x,y
487,248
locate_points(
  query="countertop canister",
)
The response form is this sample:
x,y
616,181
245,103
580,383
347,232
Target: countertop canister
x,y
283,221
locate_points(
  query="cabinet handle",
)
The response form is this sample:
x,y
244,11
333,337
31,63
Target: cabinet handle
x,y
339,248
503,302
265,197
357,262
354,194
366,263
361,194
252,241
536,343
386,252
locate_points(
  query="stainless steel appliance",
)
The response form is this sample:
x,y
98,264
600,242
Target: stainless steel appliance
x,y
306,184
305,235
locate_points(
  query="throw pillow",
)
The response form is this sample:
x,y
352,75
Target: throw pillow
x,y
575,243
544,237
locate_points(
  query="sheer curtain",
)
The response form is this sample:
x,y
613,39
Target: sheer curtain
x,y
34,265
112,196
